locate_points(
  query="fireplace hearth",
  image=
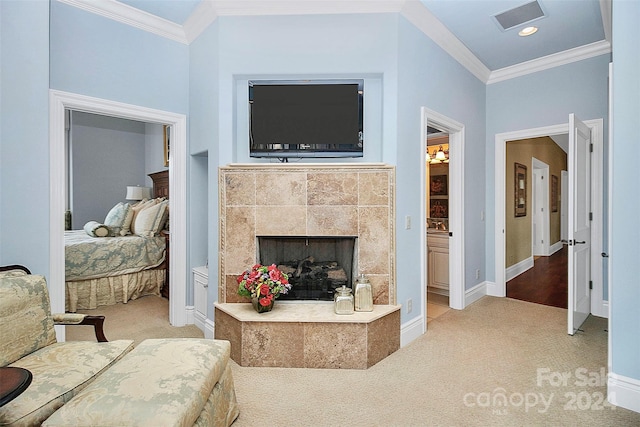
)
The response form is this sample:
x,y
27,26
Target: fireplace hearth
x,y
316,266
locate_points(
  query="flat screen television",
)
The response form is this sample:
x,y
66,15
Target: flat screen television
x,y
306,118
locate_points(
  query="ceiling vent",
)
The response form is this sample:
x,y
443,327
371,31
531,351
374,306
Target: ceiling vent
x,y
517,16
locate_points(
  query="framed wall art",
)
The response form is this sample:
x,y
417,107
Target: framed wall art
x,y
438,185
439,208
520,190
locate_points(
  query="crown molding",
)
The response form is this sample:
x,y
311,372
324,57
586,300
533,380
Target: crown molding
x,y
208,10
550,61
413,10
304,7
605,11
128,15
202,16
416,13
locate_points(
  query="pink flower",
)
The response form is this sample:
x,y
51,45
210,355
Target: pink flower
x,y
264,289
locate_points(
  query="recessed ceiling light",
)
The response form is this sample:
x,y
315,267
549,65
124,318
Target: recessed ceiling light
x,y
527,31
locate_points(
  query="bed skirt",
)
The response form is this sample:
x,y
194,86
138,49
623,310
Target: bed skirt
x,y
89,294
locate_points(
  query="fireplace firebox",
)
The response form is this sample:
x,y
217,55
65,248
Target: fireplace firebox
x,y
316,266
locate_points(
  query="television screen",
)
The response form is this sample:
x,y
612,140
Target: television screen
x,y
306,118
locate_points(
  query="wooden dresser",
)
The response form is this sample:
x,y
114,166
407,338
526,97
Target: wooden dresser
x,y
161,189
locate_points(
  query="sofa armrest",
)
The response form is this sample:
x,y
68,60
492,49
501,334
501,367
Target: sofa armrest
x,y
15,267
82,319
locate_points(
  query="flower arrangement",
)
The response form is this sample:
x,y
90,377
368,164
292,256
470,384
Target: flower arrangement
x,y
265,283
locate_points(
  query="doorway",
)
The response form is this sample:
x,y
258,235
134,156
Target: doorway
x,y
454,232
534,272
61,101
498,288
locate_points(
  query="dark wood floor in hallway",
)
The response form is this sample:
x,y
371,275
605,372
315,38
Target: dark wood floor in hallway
x,y
546,283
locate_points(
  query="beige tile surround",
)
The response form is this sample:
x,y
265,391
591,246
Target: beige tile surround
x,y
308,200
308,335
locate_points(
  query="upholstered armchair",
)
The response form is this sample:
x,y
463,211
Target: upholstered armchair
x,y
59,369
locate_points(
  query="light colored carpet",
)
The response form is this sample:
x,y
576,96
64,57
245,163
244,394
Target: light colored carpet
x,y
145,317
454,375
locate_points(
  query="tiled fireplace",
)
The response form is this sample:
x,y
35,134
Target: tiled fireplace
x,y
308,201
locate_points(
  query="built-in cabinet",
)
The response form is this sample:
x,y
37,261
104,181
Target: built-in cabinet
x,y
438,262
200,286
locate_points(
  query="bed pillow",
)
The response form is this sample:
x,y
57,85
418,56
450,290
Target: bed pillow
x,y
126,224
95,229
150,221
139,207
116,217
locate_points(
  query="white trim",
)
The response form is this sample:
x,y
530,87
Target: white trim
x,y
414,11
555,248
474,294
203,15
411,330
209,329
623,391
611,288
58,102
539,165
550,61
605,12
456,206
418,14
131,16
324,7
499,287
518,268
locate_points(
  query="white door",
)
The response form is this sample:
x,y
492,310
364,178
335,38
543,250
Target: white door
x,y
538,213
579,223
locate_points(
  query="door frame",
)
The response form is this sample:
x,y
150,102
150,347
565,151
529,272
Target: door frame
x,y
499,287
456,207
541,193
60,101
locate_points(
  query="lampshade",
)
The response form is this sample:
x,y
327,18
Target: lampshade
x,y
138,193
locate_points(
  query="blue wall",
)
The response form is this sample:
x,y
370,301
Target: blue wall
x,y
625,200
24,134
429,77
107,155
95,56
204,139
397,61
99,57
541,99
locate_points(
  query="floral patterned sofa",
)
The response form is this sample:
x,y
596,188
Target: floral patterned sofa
x,y
162,382
59,369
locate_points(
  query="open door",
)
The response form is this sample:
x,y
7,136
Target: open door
x,y
579,306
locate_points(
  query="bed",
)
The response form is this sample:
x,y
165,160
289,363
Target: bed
x,y
123,259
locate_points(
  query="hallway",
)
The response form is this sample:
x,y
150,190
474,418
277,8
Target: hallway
x,y
546,283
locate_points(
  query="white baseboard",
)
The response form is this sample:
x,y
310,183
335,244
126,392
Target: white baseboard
x,y
519,268
474,294
555,248
623,391
207,326
188,314
494,290
411,330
